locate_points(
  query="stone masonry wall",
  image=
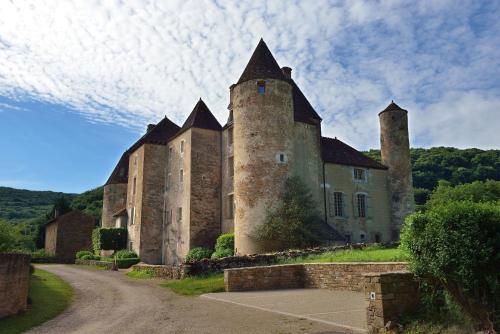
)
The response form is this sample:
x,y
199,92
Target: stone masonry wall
x,y
334,276
74,233
205,224
14,283
389,296
162,271
114,199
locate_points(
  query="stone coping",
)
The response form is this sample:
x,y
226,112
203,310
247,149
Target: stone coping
x,y
322,263
388,273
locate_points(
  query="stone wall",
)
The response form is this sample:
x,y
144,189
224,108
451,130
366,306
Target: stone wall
x,y
74,233
162,271
389,296
50,239
334,276
105,264
114,199
14,283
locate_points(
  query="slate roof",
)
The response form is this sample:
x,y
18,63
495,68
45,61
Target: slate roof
x,y
160,134
121,212
302,109
120,173
71,215
261,65
201,117
336,152
391,107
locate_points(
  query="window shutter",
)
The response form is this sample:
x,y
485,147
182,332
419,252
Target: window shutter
x,y
354,205
344,205
369,209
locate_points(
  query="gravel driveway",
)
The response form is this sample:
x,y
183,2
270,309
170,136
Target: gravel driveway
x,y
110,302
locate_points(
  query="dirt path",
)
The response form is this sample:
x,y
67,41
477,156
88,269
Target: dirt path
x,y
109,302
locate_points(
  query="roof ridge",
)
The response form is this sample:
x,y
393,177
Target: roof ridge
x,y
335,151
261,65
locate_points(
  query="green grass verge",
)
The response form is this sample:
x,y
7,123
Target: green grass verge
x,y
193,286
50,296
139,274
369,254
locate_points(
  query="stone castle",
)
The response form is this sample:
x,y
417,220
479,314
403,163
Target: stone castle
x,y
178,188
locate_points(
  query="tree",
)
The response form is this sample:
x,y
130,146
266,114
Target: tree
x,y
458,244
296,221
8,237
479,191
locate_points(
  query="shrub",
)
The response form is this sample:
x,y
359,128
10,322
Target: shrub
x,y
295,222
127,263
457,244
198,253
225,242
125,254
109,239
218,254
87,257
41,256
79,254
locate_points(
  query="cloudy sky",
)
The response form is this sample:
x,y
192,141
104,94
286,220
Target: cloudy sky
x,y
79,80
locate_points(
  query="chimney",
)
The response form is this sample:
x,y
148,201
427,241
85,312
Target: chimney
x,y
150,127
287,72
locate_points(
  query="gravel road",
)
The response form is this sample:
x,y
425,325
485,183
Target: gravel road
x,y
109,302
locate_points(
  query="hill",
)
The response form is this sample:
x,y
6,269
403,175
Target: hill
x,y
21,204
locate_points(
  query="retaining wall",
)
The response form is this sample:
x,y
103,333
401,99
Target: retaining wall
x,y
335,276
162,271
14,283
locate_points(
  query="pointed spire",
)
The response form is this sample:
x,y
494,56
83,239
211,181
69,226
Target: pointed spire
x,y
201,117
262,65
392,106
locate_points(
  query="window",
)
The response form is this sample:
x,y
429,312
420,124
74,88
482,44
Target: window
x,y
170,153
230,206
182,146
261,87
181,175
377,238
338,201
361,205
179,214
359,174
230,166
282,157
169,177
362,237
132,216
130,245
134,185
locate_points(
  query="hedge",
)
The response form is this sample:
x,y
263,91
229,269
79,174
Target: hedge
x,y
126,263
109,239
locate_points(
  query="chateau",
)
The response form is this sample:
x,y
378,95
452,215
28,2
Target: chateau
x,y
178,188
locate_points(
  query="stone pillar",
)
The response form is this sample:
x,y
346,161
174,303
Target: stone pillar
x,y
395,154
14,283
263,154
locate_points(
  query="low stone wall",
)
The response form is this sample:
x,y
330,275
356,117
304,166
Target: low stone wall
x,y
105,264
389,296
335,276
162,271
14,283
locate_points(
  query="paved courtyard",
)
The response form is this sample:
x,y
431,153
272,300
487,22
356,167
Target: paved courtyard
x,y
343,309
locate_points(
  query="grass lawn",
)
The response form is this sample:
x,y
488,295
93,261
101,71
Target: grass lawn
x,y
50,296
193,286
368,254
139,274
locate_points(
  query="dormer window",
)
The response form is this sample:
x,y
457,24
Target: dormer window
x,y
261,87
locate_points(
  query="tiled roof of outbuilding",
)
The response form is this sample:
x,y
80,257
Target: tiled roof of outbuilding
x,y
262,65
336,152
120,173
71,215
302,109
160,134
201,117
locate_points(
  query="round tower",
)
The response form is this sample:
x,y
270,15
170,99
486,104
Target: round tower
x,y
263,121
395,154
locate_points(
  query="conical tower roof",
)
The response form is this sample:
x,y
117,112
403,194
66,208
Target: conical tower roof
x,y
201,117
159,134
262,65
391,107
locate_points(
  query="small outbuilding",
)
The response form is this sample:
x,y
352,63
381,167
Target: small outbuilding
x,y
69,233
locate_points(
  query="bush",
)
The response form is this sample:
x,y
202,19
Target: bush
x,y
457,244
296,221
41,256
225,241
127,263
219,254
90,257
198,253
79,254
125,254
109,239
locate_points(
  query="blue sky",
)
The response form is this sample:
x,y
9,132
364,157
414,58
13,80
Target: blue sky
x,y
79,80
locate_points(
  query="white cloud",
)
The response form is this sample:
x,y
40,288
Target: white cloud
x,y
133,62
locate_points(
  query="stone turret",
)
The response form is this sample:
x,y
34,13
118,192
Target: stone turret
x,y
395,153
115,192
262,107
